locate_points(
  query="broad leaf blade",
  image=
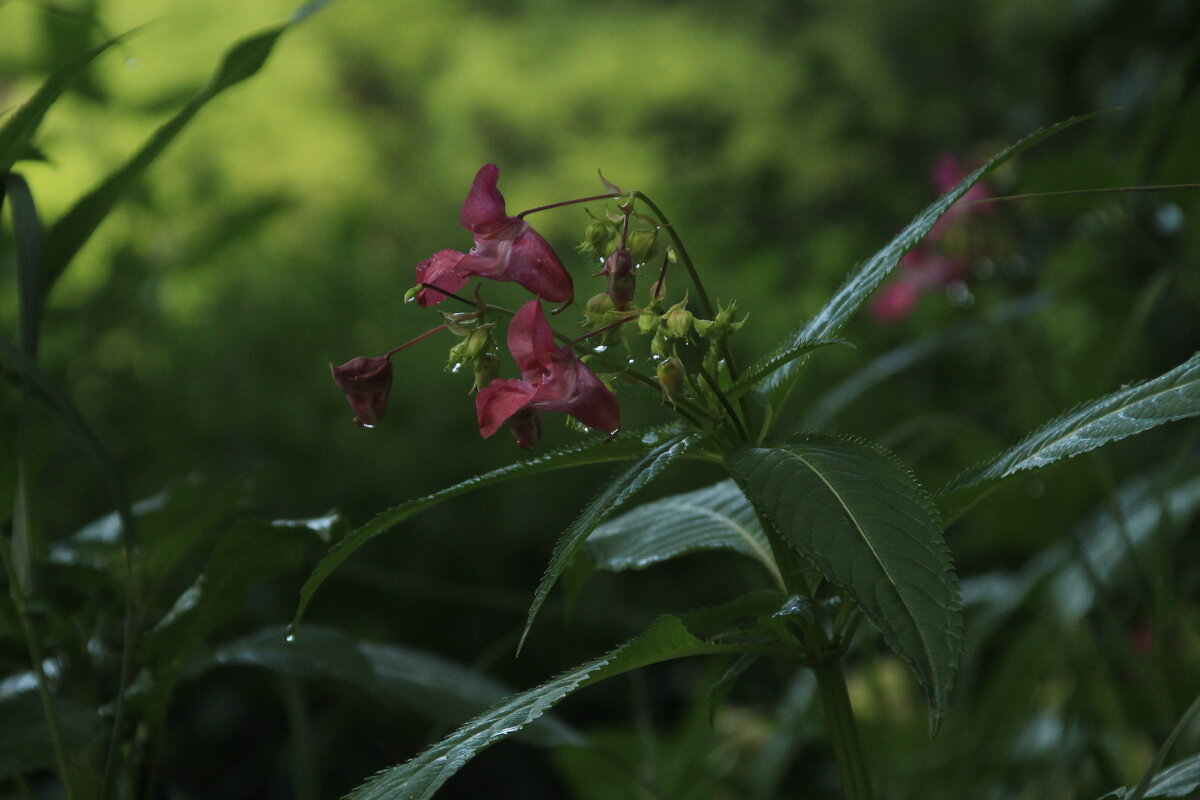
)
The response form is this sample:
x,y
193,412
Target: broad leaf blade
x,y
27,745
614,495
595,451
1169,397
18,129
425,682
716,517
860,517
867,277
668,638
72,231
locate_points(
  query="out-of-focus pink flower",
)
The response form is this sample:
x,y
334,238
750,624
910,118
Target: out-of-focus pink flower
x,y
921,270
506,249
552,379
948,172
367,383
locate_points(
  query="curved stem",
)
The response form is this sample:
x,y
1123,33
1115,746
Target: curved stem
x,y
561,203
1079,192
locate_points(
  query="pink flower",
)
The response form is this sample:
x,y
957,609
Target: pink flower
x,y
921,271
506,249
367,383
552,379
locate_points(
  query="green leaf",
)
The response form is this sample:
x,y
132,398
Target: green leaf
x,y
859,516
595,451
718,516
615,494
427,683
248,553
668,638
763,368
18,129
27,746
867,277
1169,397
72,231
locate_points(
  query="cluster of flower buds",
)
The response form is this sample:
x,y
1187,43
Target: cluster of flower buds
x,y
553,377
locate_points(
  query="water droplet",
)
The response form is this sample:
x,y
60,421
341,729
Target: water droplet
x,y
457,366
630,360
600,348
366,425
650,438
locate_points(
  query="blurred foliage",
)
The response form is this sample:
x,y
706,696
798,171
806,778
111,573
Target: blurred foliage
x,y
787,141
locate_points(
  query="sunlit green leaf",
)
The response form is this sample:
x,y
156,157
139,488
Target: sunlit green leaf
x,y
1169,397
718,516
72,231
609,499
668,638
18,129
595,451
862,520
867,277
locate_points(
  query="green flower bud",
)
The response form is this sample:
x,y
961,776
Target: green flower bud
x,y
671,377
678,320
643,245
600,304
647,321
597,237
478,341
702,326
411,294
457,356
487,369
659,346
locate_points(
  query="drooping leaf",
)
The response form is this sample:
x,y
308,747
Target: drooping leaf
x,y
785,355
27,746
69,234
1169,397
425,682
718,516
668,638
595,451
867,277
248,553
861,519
18,130
609,499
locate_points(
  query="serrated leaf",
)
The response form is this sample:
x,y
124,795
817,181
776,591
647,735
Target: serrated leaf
x,y
18,129
69,234
1167,398
595,451
668,638
867,277
716,517
862,520
615,494
763,368
425,682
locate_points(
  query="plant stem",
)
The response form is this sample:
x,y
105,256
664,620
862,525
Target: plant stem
x,y
843,734
562,203
1077,192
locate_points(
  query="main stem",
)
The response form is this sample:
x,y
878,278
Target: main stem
x,y
843,734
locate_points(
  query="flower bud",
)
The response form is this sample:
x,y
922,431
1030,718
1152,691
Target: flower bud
x,y
671,377
647,321
597,236
412,293
600,304
526,425
487,369
367,383
702,326
678,320
621,280
643,245
478,341
659,346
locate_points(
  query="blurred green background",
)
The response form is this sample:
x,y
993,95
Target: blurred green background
x,y
787,141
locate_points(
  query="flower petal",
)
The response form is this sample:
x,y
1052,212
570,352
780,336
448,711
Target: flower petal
x,y
571,387
484,202
442,269
367,383
534,265
530,340
498,401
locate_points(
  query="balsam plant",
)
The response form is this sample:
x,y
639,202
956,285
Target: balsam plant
x,y
843,530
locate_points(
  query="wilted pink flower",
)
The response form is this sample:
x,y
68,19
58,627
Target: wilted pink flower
x,y
506,249
552,379
367,383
